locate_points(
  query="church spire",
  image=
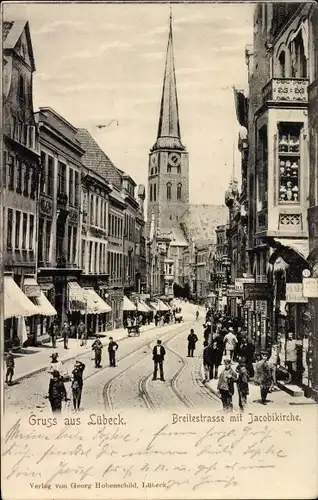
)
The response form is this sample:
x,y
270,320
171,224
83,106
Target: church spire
x,y
169,128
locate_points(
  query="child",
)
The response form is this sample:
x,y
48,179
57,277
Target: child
x,y
10,367
242,383
226,385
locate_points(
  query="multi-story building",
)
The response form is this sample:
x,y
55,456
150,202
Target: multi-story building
x,y
220,266
93,250
313,192
59,212
280,69
21,171
124,227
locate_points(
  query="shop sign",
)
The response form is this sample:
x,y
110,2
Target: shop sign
x,y
257,291
33,291
294,293
310,287
261,307
233,292
239,283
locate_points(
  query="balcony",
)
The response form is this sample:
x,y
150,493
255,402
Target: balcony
x,y
286,90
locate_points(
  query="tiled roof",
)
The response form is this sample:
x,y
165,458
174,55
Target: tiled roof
x,y
6,27
176,236
95,159
202,220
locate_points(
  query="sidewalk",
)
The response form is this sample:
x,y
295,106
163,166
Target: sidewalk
x,y
277,398
33,360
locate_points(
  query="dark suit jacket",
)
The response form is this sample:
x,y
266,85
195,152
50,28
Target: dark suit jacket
x,y
159,357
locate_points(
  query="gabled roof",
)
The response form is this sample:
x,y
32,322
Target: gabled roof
x,y
201,221
95,159
11,34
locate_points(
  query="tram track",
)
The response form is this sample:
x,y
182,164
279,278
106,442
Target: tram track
x,y
144,394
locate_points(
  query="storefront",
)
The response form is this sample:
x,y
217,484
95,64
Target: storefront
x,y
86,305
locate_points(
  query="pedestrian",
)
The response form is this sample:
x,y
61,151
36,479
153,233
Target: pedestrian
x,y
82,333
158,355
10,364
55,365
192,340
77,384
73,331
57,392
207,332
247,350
156,319
97,346
291,356
226,385
66,334
54,333
216,355
230,342
242,383
197,314
264,375
207,361
112,349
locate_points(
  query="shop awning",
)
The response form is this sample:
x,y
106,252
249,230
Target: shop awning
x,y
163,306
16,303
154,306
301,247
44,306
128,305
142,307
76,297
94,303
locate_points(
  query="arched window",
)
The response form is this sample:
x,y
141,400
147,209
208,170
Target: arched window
x,y
169,191
169,169
150,194
178,169
179,191
155,192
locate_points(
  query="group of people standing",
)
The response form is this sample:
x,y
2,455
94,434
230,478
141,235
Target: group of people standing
x,y
68,330
224,344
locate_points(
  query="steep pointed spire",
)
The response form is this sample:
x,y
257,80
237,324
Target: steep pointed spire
x,y
169,127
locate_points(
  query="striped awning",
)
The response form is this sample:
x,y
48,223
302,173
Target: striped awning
x,y
16,303
94,303
142,307
128,305
44,306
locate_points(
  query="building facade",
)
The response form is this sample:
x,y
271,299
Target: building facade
x,y
280,71
21,180
59,233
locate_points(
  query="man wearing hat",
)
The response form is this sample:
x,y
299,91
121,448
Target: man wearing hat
x,y
55,365
230,342
226,385
264,375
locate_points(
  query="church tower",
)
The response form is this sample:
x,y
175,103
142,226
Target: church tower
x,y
168,171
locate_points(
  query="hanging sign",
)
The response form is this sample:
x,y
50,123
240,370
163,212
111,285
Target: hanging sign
x,y
310,287
294,293
257,291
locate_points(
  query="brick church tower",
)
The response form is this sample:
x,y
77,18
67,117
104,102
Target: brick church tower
x,y
168,171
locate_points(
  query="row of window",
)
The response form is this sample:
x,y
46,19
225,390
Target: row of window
x,y
130,228
19,176
20,230
169,191
115,226
155,170
94,257
97,211
24,133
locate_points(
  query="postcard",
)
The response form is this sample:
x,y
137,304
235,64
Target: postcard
x,y
158,225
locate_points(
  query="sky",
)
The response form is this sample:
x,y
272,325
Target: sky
x,y
101,62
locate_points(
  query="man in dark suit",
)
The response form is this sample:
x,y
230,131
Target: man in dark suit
x,y
158,354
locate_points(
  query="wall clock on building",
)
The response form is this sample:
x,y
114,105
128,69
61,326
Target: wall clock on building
x,y
174,159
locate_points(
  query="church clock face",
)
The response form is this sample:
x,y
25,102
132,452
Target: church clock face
x,y
174,159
